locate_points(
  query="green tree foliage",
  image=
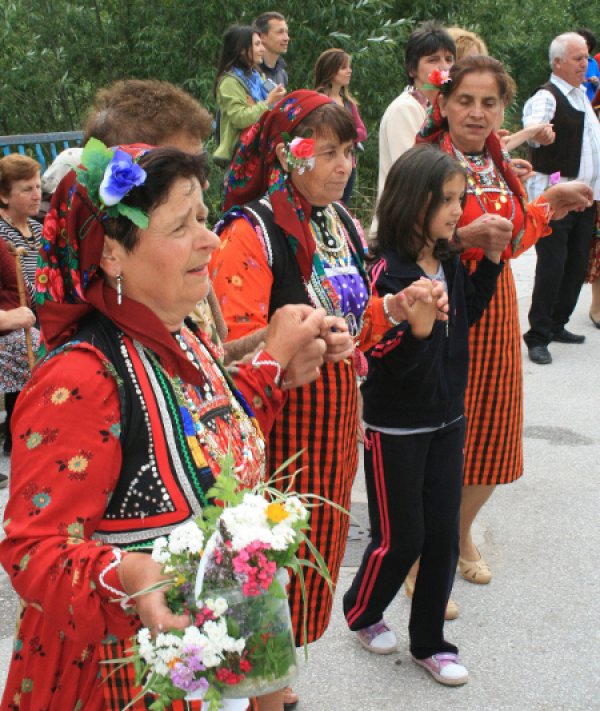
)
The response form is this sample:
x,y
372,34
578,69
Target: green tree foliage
x,y
56,54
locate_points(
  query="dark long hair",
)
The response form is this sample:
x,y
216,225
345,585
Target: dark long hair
x,y
236,50
412,194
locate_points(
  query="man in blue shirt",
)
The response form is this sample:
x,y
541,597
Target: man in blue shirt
x,y
592,76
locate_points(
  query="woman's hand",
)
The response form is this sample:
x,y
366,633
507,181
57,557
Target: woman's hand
x,y
137,571
568,197
522,169
337,338
21,317
488,232
541,133
291,329
275,95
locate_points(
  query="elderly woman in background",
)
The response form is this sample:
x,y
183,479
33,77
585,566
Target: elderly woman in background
x,y
243,93
293,242
20,199
103,422
462,123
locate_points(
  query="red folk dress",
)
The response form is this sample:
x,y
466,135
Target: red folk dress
x,y
66,466
320,420
494,396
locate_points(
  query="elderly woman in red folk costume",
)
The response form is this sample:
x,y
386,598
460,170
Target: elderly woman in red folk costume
x,y
121,430
293,242
462,123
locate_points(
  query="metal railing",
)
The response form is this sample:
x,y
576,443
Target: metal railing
x,y
44,146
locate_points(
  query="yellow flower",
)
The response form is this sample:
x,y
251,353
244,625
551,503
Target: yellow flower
x,y
179,580
59,396
276,512
78,463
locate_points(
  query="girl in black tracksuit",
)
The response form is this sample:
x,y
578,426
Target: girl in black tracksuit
x,y
414,412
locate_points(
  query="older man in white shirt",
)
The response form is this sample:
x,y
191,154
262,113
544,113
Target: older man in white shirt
x,y
574,155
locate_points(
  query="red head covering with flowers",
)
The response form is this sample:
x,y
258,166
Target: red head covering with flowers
x,y
255,170
69,284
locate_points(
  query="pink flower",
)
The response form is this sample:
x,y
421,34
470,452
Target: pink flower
x,y
302,147
555,178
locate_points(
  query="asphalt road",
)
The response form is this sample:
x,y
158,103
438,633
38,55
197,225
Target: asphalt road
x,y
531,638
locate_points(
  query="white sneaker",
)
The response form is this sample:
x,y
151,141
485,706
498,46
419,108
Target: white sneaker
x,y
378,638
445,668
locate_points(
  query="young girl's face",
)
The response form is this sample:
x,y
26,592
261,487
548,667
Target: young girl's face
x,y
444,220
343,75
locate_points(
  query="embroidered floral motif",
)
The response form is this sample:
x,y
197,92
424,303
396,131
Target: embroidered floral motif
x,y
76,465
35,439
291,108
42,499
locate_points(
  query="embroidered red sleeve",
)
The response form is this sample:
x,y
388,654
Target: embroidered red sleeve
x,y
65,464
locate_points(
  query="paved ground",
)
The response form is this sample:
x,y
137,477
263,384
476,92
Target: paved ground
x,y
531,639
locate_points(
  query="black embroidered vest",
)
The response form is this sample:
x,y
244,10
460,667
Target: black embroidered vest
x,y
564,154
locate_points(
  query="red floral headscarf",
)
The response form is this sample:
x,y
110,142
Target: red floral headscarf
x,y
69,285
255,170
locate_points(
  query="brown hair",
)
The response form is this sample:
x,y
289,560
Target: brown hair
x,y
327,66
145,111
466,42
262,21
329,118
474,63
15,167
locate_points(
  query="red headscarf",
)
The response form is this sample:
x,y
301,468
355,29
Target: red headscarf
x,y
69,285
255,170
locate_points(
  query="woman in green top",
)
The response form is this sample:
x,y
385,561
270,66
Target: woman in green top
x,y
243,93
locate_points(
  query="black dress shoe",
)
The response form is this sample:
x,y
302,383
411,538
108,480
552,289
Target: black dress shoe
x,y
593,320
540,355
565,336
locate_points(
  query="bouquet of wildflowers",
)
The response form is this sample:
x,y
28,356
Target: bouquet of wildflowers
x,y
223,572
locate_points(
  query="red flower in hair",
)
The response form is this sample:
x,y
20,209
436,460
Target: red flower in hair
x,y
439,77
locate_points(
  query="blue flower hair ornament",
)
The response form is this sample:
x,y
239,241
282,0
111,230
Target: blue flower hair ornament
x,y
108,175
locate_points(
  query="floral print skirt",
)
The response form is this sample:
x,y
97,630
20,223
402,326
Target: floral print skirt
x,y
14,368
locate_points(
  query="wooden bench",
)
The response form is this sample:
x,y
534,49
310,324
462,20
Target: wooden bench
x,y
42,146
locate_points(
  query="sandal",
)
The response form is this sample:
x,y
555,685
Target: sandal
x,y
475,571
452,609
290,698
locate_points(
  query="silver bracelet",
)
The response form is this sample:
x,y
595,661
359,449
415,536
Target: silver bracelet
x,y
386,311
